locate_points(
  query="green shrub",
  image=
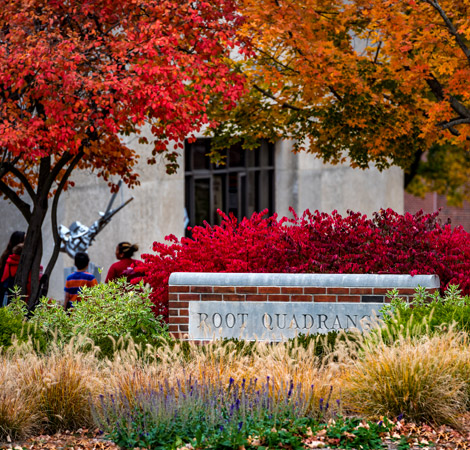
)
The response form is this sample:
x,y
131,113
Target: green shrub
x,y
428,312
326,343
14,325
107,313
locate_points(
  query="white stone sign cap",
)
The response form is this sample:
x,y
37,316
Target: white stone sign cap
x,y
303,279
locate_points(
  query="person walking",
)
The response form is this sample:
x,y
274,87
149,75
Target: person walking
x,y
77,280
9,273
16,238
124,267
9,261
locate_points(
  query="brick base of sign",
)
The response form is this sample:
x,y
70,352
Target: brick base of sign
x,y
189,291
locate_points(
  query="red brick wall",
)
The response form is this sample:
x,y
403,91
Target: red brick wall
x,y
432,202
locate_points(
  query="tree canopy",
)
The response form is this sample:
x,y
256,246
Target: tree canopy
x,y
76,76
368,81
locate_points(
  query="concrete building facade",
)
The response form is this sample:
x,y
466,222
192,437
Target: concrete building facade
x,y
158,209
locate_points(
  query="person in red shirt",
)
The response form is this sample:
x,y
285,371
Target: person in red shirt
x,y
12,262
16,238
9,273
9,262
125,264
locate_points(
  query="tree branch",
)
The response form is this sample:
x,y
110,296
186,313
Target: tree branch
x,y
454,122
435,87
271,96
59,165
277,62
55,202
377,52
44,177
456,105
335,93
22,178
3,169
450,26
413,170
23,207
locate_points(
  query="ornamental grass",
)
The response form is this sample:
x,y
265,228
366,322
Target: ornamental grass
x,y
53,389
426,378
217,362
19,416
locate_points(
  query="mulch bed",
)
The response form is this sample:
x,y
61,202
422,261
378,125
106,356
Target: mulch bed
x,y
80,440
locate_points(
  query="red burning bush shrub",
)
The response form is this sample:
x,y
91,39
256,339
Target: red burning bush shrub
x,y
315,243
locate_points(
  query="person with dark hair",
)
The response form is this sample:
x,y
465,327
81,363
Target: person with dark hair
x,y
9,274
16,238
9,261
124,267
77,280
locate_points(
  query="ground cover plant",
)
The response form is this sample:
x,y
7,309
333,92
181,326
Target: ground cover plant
x,y
342,390
315,243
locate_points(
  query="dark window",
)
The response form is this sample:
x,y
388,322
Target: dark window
x,y
241,186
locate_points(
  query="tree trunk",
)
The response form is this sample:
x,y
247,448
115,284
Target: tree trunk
x,y
28,270
413,170
44,282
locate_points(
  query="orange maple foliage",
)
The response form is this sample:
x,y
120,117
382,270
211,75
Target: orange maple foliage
x,y
375,81
75,76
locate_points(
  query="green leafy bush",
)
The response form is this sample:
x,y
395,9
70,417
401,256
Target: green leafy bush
x,y
14,325
326,343
107,313
428,312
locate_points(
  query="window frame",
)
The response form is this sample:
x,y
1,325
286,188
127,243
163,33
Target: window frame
x,y
225,170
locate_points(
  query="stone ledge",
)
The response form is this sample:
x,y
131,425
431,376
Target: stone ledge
x,y
303,279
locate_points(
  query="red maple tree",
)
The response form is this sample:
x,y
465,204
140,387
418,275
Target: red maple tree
x,y
75,76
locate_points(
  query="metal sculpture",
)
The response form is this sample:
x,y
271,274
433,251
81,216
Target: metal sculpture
x,y
78,237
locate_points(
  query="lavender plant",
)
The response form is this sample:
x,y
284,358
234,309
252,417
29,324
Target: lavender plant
x,y
207,414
